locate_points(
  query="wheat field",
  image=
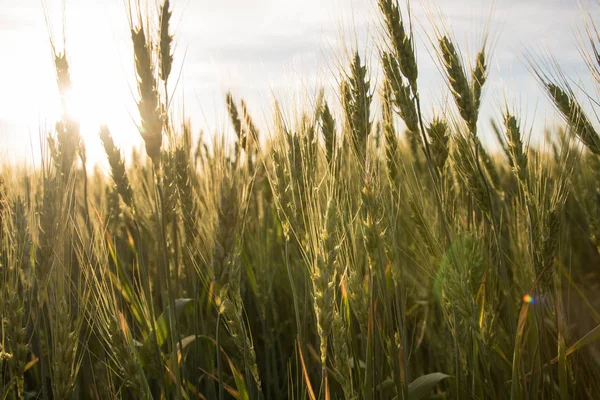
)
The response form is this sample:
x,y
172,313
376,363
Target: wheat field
x,y
345,251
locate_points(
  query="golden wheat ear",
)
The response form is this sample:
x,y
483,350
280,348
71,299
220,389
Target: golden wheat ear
x,y
151,127
164,45
117,166
573,113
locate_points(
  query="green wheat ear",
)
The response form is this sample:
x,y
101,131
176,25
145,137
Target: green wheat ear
x,y
463,258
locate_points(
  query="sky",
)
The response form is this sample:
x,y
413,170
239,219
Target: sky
x,y
258,49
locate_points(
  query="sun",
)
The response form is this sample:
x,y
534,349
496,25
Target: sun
x,y
83,107
90,112
93,106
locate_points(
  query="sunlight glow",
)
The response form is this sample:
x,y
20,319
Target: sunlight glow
x,y
91,108
86,108
95,99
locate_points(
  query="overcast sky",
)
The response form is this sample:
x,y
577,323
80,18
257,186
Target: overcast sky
x,y
256,48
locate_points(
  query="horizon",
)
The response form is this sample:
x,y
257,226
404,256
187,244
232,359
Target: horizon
x,y
270,49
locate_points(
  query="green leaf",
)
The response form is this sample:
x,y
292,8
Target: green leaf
x,y
387,387
423,385
121,280
162,327
5,391
589,338
239,382
515,387
163,322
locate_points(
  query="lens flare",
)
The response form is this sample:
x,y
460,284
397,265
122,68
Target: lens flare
x,y
528,299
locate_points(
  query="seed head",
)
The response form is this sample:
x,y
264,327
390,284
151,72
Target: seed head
x,y
148,103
